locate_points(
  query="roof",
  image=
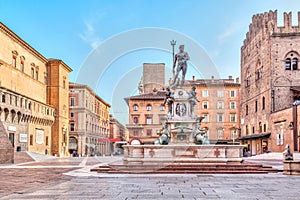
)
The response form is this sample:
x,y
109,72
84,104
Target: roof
x,y
160,95
212,82
255,136
295,88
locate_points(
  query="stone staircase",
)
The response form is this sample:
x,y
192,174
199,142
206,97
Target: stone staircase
x,y
185,168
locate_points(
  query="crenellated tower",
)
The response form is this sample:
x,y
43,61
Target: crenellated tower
x,y
269,73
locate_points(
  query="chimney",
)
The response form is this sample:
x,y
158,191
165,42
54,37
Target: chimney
x,y
237,80
230,77
212,78
193,77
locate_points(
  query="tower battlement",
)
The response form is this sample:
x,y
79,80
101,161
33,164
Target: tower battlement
x,y
266,24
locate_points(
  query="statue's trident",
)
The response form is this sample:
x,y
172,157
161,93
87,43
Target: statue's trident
x,y
173,43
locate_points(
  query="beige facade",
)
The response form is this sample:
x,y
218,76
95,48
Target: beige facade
x,y
89,122
27,114
219,104
269,72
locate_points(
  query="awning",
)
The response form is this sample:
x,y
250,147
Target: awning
x,y
255,136
109,139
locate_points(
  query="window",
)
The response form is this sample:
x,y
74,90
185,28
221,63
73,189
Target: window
x,y
295,64
71,114
220,133
64,84
232,133
204,93
260,127
136,120
232,117
37,75
220,118
246,109
253,129
256,106
31,140
22,66
148,120
263,103
248,82
149,132
220,93
205,105
72,127
232,105
265,127
247,130
148,107
135,107
232,93
72,101
47,141
135,133
288,64
14,61
3,98
206,118
280,139
220,105
32,72
162,107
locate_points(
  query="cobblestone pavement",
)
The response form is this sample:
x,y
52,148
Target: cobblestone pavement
x,y
41,180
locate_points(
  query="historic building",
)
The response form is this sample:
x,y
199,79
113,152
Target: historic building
x,y
116,130
270,82
219,104
89,122
32,102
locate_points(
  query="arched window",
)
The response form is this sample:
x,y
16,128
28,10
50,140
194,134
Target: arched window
x,y
246,109
288,64
149,107
135,107
291,61
136,120
295,64
263,103
3,98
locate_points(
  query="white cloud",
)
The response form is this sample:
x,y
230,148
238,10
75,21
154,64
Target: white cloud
x,y
90,36
232,30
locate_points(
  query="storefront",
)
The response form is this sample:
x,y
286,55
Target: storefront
x,y
255,144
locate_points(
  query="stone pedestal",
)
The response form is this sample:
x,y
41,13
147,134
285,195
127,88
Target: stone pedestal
x,y
6,149
156,155
291,167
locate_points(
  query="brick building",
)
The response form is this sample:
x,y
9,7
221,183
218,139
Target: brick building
x,y
31,89
270,81
219,104
89,122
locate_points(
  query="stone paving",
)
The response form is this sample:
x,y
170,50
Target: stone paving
x,y
45,181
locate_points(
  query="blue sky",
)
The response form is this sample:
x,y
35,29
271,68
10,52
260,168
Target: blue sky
x,y
71,29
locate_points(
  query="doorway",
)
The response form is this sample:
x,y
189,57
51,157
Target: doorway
x,y
12,139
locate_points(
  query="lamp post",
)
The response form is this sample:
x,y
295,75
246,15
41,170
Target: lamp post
x,y
173,43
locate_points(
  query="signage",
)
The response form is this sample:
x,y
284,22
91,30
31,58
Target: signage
x,y
22,137
39,136
12,128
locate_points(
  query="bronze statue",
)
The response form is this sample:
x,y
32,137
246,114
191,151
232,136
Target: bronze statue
x,y
193,100
181,59
169,99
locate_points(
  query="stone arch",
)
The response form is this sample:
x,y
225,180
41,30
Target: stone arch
x,y
6,113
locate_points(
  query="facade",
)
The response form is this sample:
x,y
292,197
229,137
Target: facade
x,y
270,83
116,130
219,104
28,113
89,122
145,113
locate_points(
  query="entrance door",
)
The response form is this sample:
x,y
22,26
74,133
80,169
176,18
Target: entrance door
x,y
12,139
